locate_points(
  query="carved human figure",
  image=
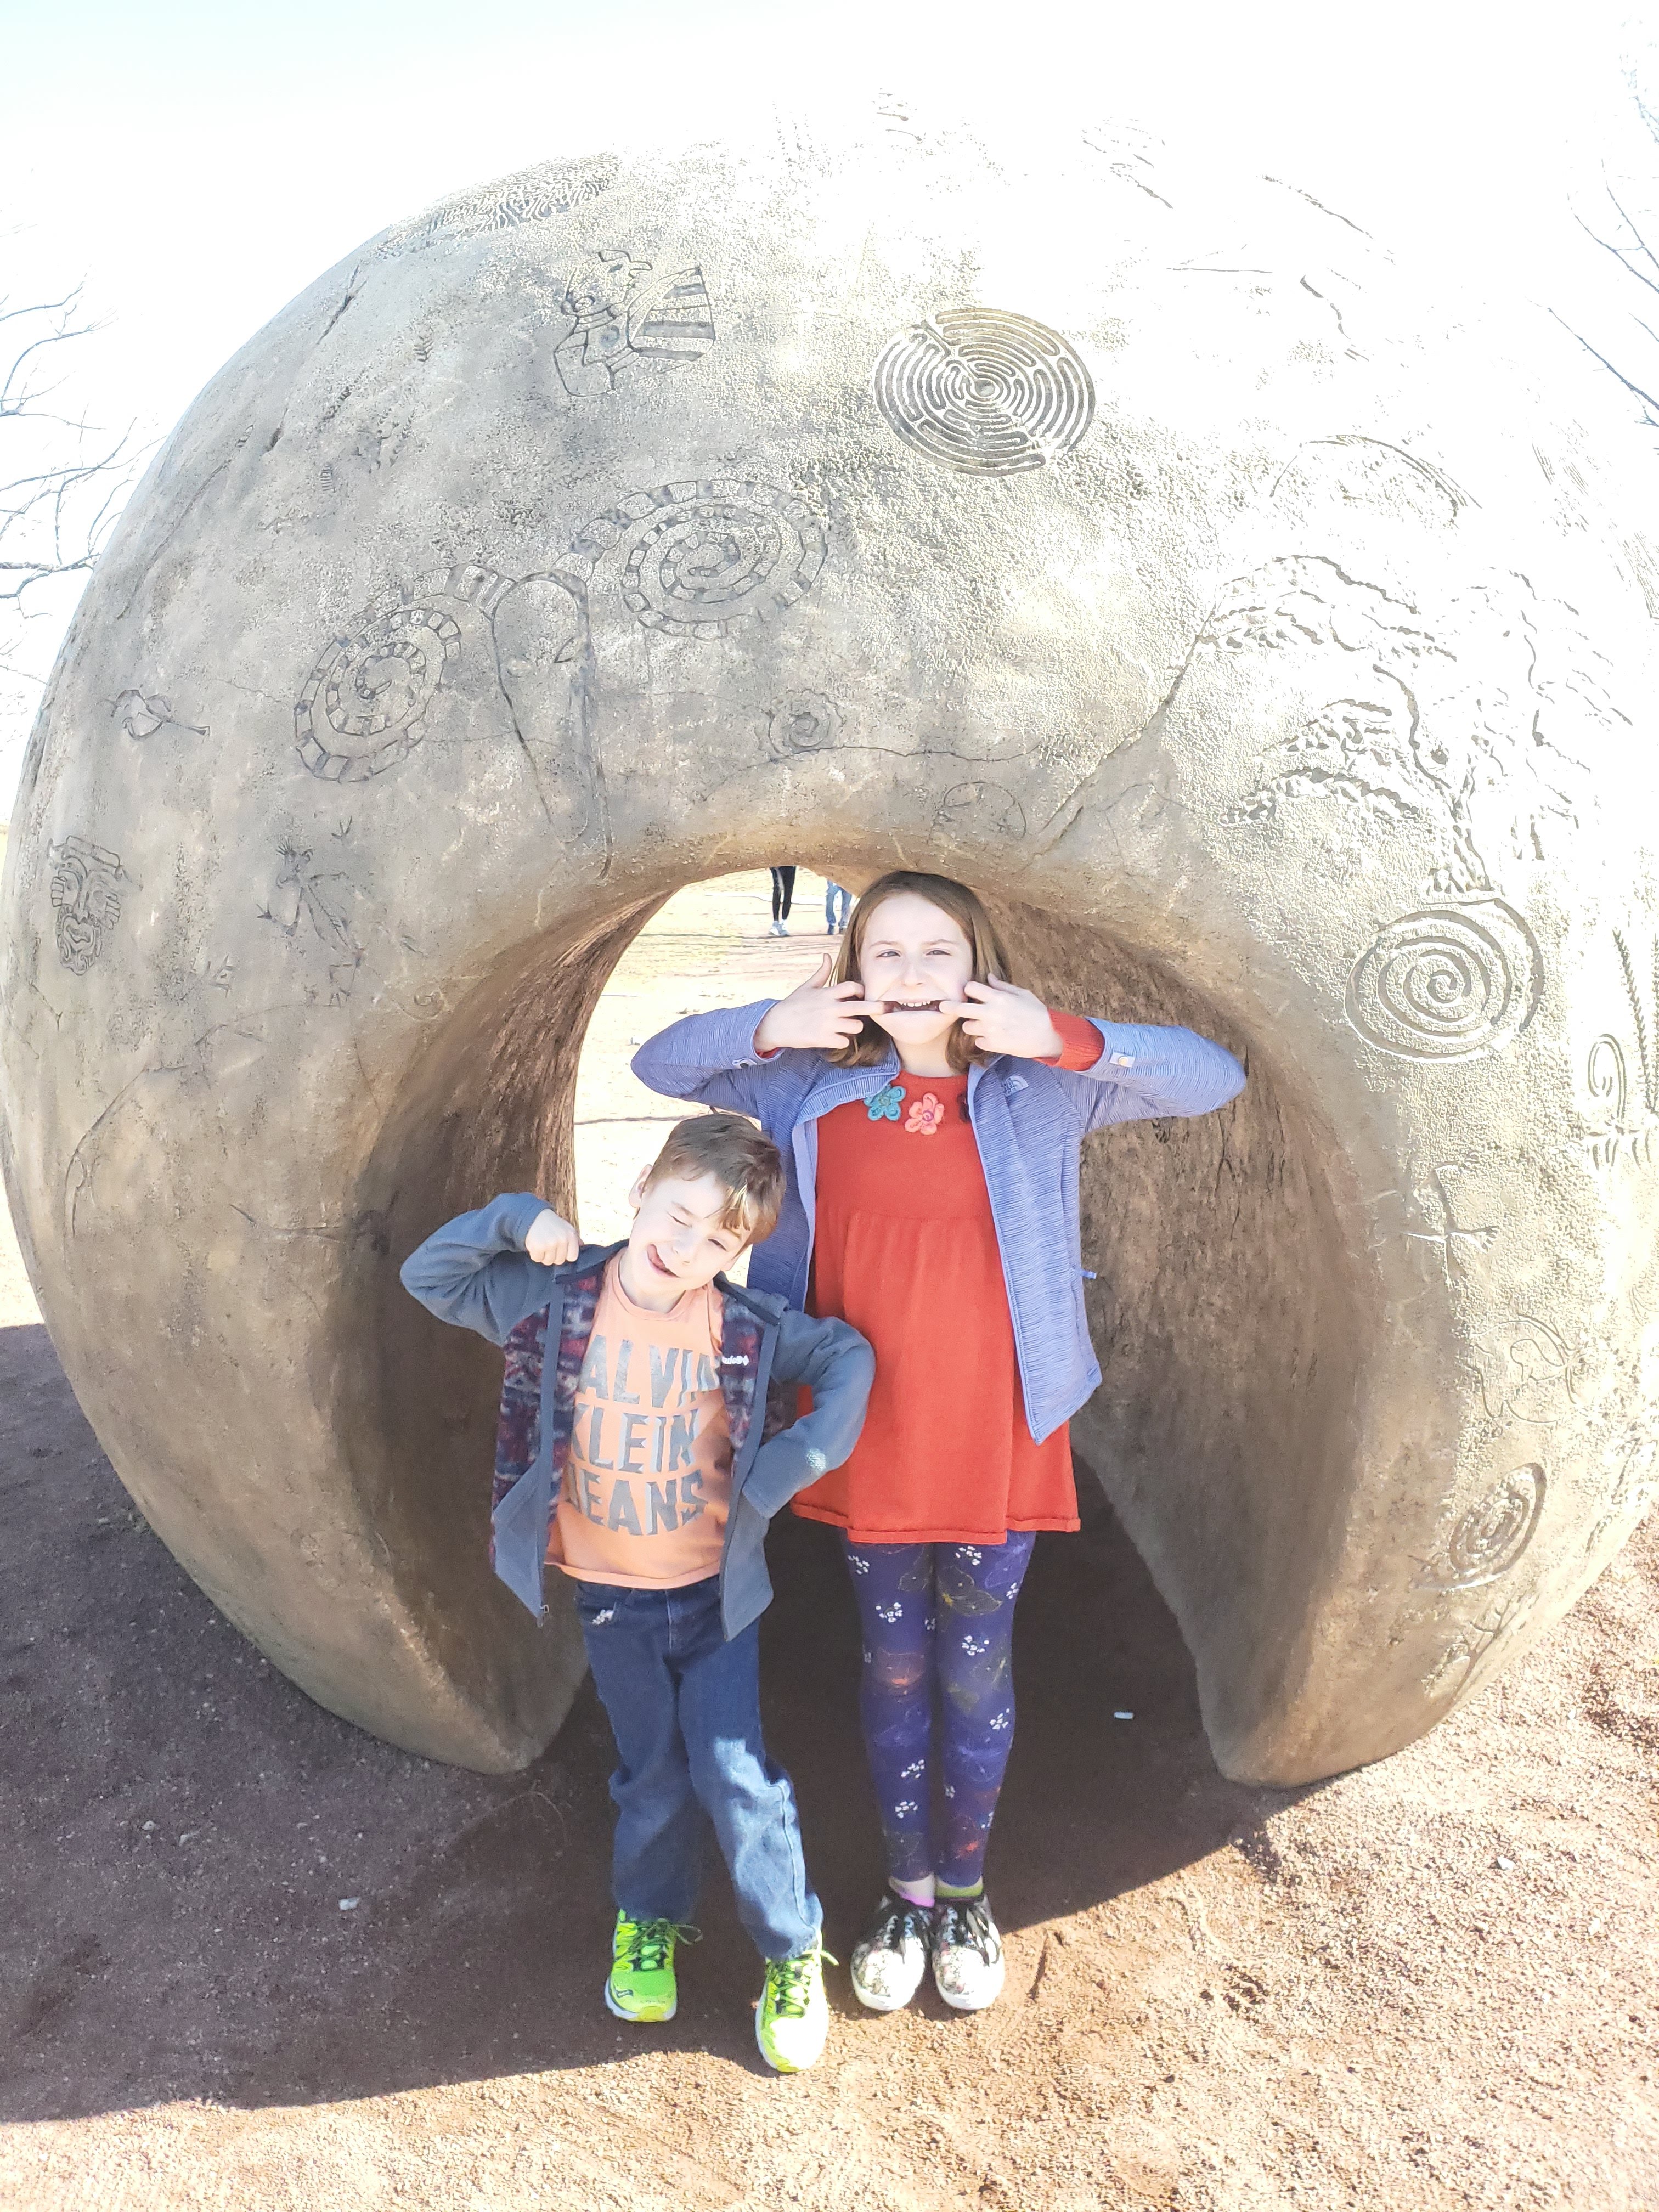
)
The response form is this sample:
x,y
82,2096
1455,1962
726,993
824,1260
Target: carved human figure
x,y
620,313
86,900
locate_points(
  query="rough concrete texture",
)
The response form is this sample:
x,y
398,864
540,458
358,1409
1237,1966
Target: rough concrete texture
x,y
1269,643
1422,1987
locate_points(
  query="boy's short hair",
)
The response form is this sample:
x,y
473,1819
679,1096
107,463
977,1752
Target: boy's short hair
x,y
742,1158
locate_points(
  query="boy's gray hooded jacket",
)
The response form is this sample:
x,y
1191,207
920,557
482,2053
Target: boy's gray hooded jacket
x,y
1030,1120
476,1272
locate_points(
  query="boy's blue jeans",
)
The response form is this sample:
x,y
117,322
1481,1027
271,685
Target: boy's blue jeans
x,y
684,1708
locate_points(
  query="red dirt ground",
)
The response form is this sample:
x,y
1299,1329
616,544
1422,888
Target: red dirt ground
x,y
1427,1984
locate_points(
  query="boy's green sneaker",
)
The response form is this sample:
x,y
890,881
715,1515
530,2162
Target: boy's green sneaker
x,y
642,1986
793,2017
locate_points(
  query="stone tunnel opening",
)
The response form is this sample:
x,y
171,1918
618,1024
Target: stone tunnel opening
x,y
1222,1311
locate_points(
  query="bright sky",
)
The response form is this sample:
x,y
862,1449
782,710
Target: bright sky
x,y
196,165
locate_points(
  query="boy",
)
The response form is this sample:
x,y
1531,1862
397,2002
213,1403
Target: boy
x,y
647,1422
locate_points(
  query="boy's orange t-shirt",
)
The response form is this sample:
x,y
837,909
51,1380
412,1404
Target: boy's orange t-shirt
x,y
647,1485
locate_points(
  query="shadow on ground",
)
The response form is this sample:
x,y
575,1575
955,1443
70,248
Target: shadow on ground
x,y
183,1823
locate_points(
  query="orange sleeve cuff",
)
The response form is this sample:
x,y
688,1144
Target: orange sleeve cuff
x,y
1080,1041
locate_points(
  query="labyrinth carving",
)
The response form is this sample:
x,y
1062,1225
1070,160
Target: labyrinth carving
x,y
989,393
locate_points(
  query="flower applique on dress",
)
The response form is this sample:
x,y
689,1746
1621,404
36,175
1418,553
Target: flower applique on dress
x,y
884,1106
927,1116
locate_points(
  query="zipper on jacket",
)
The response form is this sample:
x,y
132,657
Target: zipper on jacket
x,y
975,1074
751,1443
805,1130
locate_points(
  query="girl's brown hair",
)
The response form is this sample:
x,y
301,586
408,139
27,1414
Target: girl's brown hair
x,y
990,959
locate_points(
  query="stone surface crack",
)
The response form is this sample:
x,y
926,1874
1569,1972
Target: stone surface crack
x,y
352,289
253,690
1326,298
286,1236
517,728
1070,807
173,530
938,752
1335,214
73,1191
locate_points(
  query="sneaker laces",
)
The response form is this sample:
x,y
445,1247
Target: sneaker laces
x,y
790,1981
653,1939
964,1923
897,1919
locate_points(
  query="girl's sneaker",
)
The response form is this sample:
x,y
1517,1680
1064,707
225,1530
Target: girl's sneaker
x,y
891,1957
793,2017
642,1986
967,1950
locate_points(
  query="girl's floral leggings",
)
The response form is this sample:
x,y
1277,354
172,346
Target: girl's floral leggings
x,y
938,1613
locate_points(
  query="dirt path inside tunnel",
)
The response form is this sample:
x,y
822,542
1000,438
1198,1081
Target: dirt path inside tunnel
x,y
1430,1983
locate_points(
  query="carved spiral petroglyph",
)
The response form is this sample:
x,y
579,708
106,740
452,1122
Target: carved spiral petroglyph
x,y
374,691
805,722
1491,1535
986,392
1604,1074
705,557
1447,985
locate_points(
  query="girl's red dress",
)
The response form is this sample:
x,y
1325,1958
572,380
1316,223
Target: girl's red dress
x,y
905,1249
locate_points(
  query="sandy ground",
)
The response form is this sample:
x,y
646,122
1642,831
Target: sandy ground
x,y
1430,1983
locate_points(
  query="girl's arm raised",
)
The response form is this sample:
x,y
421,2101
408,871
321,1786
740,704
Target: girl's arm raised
x,y
1145,1072
718,1059
1140,1072
709,1057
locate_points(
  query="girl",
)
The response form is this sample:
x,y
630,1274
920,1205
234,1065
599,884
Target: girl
x,y
929,1112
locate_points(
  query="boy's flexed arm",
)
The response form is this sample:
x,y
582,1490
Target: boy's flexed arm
x,y
476,1272
838,1366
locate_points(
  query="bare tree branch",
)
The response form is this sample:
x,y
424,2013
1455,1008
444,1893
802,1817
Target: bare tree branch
x,y
1629,221
1628,247
63,479
1650,404
55,531
1621,254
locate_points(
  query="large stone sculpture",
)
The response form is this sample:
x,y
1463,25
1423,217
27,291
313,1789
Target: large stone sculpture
x,y
1269,643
